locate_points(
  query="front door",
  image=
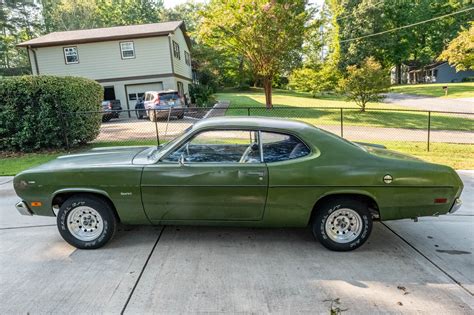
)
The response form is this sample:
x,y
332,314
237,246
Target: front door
x,y
216,175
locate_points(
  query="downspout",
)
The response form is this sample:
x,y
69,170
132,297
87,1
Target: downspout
x,y
35,59
171,55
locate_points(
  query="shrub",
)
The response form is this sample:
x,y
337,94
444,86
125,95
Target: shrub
x,y
324,79
201,95
365,83
38,112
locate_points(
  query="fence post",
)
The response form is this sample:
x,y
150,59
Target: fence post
x,y
342,123
64,128
429,130
156,129
248,111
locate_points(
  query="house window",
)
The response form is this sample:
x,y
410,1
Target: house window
x,y
176,52
187,58
70,55
127,50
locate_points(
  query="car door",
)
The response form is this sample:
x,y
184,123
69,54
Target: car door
x,y
215,175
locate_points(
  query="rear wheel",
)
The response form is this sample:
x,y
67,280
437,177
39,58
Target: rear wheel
x,y
342,224
180,116
86,222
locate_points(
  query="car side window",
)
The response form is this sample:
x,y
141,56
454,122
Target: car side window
x,y
219,146
282,147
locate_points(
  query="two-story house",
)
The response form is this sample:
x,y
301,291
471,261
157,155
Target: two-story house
x,y
126,60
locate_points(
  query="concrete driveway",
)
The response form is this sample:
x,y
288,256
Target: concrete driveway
x,y
423,267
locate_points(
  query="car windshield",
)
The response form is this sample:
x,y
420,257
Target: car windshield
x,y
153,154
169,96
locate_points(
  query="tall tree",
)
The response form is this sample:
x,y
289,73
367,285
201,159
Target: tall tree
x,y
19,21
420,44
268,33
460,51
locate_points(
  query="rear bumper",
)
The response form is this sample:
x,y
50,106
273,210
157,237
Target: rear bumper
x,y
163,113
456,205
22,207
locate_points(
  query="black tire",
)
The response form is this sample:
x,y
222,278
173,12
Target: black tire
x,y
139,115
106,118
102,215
180,116
350,227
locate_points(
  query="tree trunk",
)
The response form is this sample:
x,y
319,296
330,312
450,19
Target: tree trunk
x,y
241,72
267,87
399,73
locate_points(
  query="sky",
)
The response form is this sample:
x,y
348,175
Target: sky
x,y
172,3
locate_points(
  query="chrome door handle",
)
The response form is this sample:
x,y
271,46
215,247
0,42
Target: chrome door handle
x,y
256,173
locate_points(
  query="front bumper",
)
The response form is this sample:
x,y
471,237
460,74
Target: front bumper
x,y
22,207
456,205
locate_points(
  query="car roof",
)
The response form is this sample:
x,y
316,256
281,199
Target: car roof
x,y
160,92
253,122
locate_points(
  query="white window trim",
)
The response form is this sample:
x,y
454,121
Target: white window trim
x,y
122,50
66,55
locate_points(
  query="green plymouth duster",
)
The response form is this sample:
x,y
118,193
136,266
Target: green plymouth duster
x,y
238,171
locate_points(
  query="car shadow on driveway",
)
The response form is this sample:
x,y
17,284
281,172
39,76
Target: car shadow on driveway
x,y
224,270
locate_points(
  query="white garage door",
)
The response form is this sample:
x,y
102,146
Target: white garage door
x,y
136,91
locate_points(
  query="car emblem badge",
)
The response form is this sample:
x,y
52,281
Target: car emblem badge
x,y
387,179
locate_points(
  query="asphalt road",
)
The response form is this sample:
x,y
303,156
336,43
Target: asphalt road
x,y
431,103
423,267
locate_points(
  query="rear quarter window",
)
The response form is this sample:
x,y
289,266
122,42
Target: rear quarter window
x,y
279,147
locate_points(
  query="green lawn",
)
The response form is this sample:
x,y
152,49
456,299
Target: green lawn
x,y
455,90
325,110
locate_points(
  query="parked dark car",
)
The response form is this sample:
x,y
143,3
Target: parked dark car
x,y
140,108
161,104
111,109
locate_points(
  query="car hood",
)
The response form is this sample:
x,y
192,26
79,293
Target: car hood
x,y
108,156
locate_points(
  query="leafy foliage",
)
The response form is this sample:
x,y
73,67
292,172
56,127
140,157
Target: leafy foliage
x,y
37,112
201,95
267,34
365,83
19,21
460,51
324,79
420,44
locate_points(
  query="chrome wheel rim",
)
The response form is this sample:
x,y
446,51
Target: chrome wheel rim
x,y
85,223
343,225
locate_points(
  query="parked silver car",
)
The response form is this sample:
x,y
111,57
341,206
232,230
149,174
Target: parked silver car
x,y
160,104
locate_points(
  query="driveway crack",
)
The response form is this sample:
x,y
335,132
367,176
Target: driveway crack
x,y
431,261
142,271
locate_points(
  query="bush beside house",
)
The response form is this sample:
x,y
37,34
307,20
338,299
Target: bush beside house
x,y
39,112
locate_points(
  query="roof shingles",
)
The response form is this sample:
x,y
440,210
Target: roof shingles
x,y
103,34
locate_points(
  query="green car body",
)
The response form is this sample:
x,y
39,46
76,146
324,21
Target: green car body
x,y
143,189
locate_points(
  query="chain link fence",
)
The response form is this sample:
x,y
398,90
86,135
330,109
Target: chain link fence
x,y
383,126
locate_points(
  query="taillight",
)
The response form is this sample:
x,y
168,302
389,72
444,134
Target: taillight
x,y
157,101
110,105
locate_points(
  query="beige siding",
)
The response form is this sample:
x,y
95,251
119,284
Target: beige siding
x,y
103,60
180,66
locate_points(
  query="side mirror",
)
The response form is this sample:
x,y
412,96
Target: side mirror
x,y
181,160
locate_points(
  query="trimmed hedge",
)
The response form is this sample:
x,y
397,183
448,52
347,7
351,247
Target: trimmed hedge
x,y
40,112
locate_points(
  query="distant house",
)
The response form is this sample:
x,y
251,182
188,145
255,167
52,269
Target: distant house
x,y
440,72
126,60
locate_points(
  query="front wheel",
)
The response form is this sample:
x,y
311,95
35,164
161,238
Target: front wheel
x,y
86,222
342,224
